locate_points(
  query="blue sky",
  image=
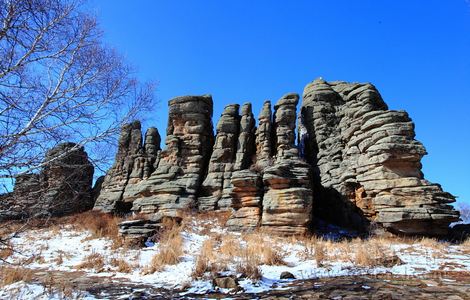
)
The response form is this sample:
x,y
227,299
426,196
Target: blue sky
x,y
417,53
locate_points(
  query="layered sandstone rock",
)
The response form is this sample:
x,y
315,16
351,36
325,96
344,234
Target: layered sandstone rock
x,y
67,180
176,181
217,185
287,201
234,150
247,196
246,148
63,186
367,162
134,162
264,137
362,165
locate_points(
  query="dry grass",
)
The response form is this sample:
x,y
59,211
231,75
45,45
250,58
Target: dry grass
x,y
99,224
207,220
121,265
206,260
171,247
249,268
12,275
93,261
465,246
364,253
6,251
259,248
230,246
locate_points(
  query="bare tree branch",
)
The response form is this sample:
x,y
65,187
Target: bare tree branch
x,y
58,82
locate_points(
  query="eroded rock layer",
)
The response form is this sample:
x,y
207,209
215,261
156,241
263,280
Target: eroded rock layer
x,y
367,162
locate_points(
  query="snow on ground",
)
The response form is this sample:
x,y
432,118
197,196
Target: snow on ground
x,y
23,290
65,249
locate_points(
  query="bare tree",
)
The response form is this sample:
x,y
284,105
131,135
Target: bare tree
x,y
58,82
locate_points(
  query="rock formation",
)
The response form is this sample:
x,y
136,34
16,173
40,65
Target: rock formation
x,y
64,186
148,180
134,161
362,166
367,162
287,201
216,187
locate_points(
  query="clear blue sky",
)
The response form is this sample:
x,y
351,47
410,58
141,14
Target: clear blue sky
x,y
417,53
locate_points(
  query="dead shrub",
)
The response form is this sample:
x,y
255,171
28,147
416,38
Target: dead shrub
x,y
93,261
12,275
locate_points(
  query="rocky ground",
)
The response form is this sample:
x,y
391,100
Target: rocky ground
x,y
200,259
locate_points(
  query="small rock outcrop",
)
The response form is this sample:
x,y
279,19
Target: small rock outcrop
x,y
368,164
63,186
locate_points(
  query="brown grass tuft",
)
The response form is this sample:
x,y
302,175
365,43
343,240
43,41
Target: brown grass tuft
x,y
12,275
121,265
6,252
263,250
99,224
205,262
249,267
171,247
93,261
465,246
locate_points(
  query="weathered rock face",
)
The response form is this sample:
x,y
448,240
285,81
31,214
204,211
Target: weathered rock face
x,y
362,165
367,162
67,180
134,162
287,201
216,187
247,195
176,181
64,186
264,137
234,150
